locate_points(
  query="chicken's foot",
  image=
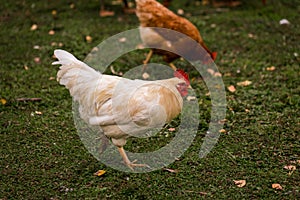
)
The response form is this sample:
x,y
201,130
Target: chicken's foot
x,y
130,164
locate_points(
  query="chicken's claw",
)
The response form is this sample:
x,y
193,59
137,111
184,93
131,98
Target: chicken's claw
x,y
132,164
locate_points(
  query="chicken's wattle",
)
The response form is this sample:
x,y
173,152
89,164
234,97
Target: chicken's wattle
x,y
182,89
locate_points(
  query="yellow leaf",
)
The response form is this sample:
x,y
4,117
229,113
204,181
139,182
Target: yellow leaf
x,y
276,186
99,173
3,101
240,183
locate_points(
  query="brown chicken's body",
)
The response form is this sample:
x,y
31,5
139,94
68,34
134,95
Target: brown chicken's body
x,y
153,14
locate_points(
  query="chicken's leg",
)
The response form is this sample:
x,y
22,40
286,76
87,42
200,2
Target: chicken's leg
x,y
128,162
149,55
173,66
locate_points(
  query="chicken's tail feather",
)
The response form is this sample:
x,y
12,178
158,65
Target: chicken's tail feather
x,y
77,76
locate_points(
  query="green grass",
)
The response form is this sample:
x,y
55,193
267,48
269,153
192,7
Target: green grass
x,y
42,156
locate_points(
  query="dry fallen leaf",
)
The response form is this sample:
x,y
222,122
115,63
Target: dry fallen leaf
x,y
191,98
231,88
123,39
99,173
36,47
172,129
145,75
276,186
217,74
26,67
33,27
290,167
240,183
172,170
222,131
271,68
54,12
244,83
37,59
213,25
180,11
51,32
72,5
284,21
38,112
88,38
210,71
3,101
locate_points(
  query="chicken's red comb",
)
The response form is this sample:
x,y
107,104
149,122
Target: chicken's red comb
x,y
179,73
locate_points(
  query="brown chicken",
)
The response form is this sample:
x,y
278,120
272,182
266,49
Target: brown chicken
x,y
121,107
153,14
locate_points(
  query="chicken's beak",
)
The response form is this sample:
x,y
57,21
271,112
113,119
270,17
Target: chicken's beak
x,y
190,87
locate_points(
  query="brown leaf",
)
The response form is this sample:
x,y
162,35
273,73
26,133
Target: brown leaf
x,y
276,186
240,183
244,83
26,67
231,88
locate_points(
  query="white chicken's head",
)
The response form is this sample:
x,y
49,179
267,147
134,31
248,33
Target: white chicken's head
x,y
183,86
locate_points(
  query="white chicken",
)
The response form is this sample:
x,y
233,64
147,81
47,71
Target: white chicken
x,y
121,107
